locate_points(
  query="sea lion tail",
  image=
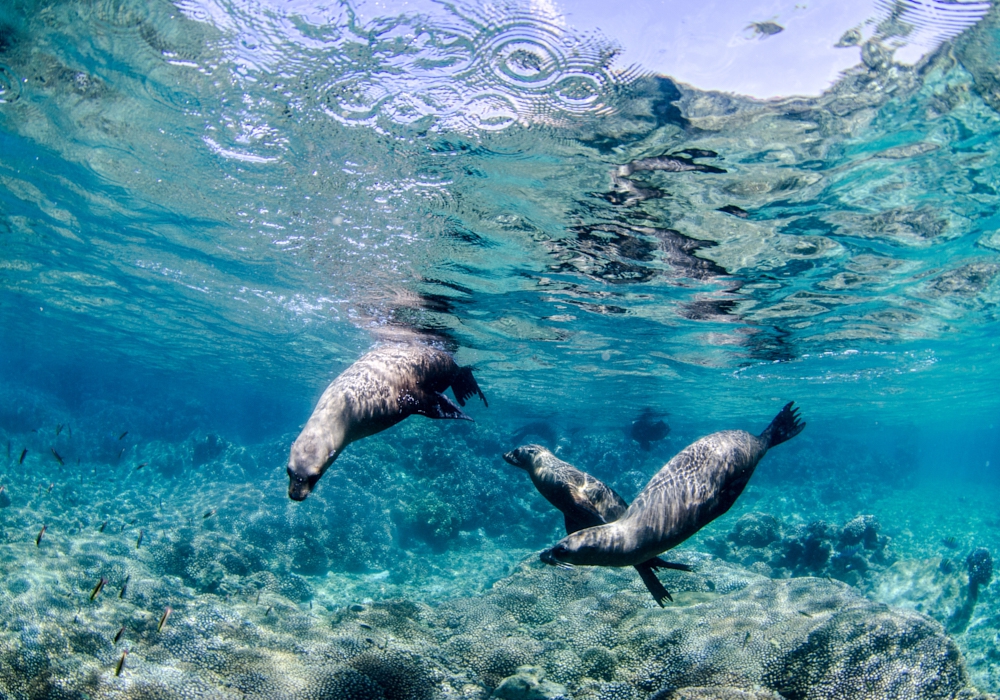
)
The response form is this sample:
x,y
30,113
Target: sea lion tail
x,y
653,585
785,426
464,385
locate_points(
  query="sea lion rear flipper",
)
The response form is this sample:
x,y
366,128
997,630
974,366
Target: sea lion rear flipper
x,y
440,406
785,426
465,385
653,585
657,563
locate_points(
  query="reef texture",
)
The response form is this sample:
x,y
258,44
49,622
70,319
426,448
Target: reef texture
x,y
852,553
586,634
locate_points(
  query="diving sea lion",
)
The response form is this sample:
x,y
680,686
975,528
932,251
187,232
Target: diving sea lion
x,y
382,388
584,502
698,485
647,428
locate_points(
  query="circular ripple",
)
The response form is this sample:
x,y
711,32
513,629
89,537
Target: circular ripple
x,y
10,85
525,62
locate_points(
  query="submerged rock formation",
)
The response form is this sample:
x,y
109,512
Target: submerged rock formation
x,y
852,553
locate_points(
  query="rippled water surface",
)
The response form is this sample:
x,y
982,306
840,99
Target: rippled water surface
x,y
209,208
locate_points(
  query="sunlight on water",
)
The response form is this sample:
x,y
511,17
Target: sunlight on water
x,y
637,226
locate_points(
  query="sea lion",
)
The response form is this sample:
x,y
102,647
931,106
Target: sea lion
x,y
694,488
647,428
584,502
382,388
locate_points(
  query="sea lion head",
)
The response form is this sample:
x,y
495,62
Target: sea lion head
x,y
584,547
524,456
307,462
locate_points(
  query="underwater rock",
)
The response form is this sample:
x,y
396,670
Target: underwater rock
x,y
979,568
862,529
717,693
528,684
755,530
853,554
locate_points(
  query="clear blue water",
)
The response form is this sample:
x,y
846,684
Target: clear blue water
x,y
209,209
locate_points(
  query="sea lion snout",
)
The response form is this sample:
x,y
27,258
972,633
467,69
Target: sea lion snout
x,y
301,481
522,456
306,465
300,487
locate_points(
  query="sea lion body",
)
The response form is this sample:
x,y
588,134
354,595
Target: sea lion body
x,y
584,501
698,485
385,386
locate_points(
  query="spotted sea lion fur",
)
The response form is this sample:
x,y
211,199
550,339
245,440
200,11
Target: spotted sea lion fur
x,y
698,485
380,389
584,502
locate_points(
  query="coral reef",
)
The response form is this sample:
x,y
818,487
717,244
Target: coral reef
x,y
540,633
852,553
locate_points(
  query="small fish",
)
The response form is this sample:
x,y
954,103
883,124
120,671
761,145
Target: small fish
x,y
59,428
103,525
163,619
804,613
269,609
98,587
24,453
138,542
208,514
38,540
119,633
122,529
51,484
121,663
123,435
121,593
57,456
141,466
364,626
746,639
257,602
121,452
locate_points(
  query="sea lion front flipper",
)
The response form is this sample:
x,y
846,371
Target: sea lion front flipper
x,y
657,563
439,406
653,585
465,385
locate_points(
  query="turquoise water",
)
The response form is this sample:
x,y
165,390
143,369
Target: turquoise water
x,y
208,210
